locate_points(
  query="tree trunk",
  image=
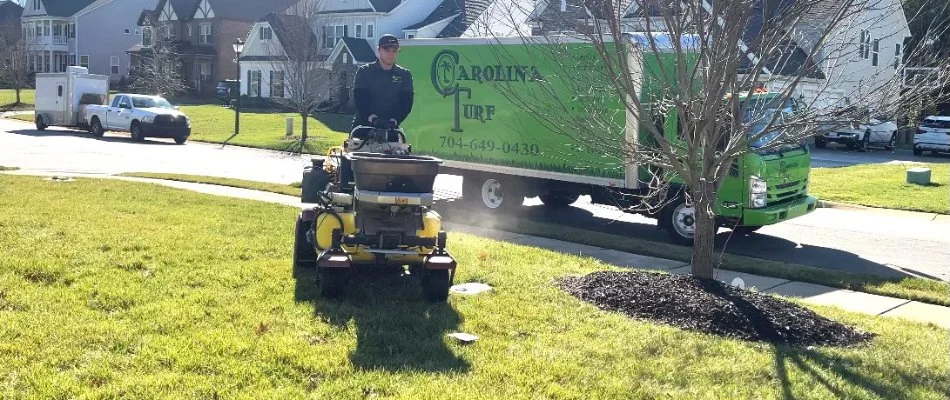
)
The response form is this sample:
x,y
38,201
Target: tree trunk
x,y
303,134
704,239
17,89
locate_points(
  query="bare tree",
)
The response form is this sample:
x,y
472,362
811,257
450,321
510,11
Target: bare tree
x,y
14,54
702,66
299,77
159,69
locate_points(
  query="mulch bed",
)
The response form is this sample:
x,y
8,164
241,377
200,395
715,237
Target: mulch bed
x,y
711,307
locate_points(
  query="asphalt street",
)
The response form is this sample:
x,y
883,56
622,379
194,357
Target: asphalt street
x,y
877,242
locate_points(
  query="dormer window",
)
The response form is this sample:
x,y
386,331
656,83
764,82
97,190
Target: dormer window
x,y
147,37
36,5
266,33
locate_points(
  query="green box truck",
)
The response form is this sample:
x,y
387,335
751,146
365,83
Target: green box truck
x,y
469,111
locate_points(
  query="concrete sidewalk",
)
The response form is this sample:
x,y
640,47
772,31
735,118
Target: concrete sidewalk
x,y
810,293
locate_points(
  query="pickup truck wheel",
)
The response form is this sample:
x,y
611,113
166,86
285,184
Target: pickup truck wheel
x,y
892,142
865,144
40,125
918,151
137,133
180,140
96,128
679,221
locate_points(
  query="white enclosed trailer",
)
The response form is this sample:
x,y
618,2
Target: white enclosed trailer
x,y
60,97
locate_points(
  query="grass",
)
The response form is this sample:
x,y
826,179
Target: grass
x,y
8,100
884,186
4,168
24,117
290,190
215,124
162,293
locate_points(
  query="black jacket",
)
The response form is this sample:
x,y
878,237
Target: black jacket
x,y
388,94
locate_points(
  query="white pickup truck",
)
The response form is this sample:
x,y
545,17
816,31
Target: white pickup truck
x,y
142,116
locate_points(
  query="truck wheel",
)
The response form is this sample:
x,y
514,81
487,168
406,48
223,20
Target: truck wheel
x,y
495,193
96,128
137,133
40,125
743,230
435,285
679,221
821,143
180,139
333,281
558,199
865,144
305,255
918,151
892,142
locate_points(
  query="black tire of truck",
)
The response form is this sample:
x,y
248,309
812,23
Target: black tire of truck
x,y
498,193
96,128
559,199
305,254
180,139
136,131
40,125
669,221
821,143
436,285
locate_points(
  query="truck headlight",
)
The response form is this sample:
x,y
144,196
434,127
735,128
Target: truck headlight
x,y
148,119
758,192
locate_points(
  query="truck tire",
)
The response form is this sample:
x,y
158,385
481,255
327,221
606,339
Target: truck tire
x,y
136,131
305,255
493,192
180,140
333,281
821,143
559,199
678,220
435,285
743,230
96,128
918,151
40,125
892,142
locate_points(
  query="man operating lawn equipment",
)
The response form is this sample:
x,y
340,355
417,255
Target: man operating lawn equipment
x,y
368,205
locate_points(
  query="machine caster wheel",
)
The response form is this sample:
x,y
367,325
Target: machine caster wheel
x,y
435,285
333,282
305,256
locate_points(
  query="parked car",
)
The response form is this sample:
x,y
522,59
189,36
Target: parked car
x,y
876,131
932,135
227,90
142,116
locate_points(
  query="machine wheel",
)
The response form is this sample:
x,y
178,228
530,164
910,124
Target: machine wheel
x,y
40,125
435,285
821,143
497,193
333,281
181,140
305,255
745,230
865,144
679,221
918,151
137,134
559,199
892,142
96,128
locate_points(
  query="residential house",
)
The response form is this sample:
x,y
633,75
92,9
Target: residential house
x,y
89,33
346,32
202,33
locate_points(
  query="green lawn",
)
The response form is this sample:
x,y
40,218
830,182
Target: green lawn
x,y
883,185
150,292
290,190
8,99
213,123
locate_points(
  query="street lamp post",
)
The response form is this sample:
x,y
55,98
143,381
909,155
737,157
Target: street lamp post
x,y
238,49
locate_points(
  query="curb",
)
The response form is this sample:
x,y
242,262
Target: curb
x,y
844,206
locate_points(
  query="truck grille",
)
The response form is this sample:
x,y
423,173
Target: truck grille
x,y
170,121
785,192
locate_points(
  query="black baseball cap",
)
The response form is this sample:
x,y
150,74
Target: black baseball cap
x,y
388,40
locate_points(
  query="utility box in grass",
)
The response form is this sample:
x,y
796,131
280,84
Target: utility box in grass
x,y
919,176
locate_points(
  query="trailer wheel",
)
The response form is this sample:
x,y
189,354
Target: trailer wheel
x,y
494,192
679,221
305,255
333,281
559,199
435,285
40,125
97,129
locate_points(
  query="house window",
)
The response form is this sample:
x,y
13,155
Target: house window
x,y
191,33
277,84
898,56
266,33
359,30
204,69
346,58
254,83
865,44
369,31
333,34
72,31
46,63
410,36
874,51
84,61
114,61
46,28
204,31
36,5
146,37
128,31
72,59
172,31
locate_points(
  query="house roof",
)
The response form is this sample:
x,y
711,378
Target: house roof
x,y
244,10
360,49
464,11
10,13
180,48
295,35
65,8
384,5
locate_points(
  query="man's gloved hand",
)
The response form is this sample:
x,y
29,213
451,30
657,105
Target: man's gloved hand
x,y
372,119
393,123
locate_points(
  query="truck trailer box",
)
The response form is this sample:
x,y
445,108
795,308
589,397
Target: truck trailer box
x,y
61,96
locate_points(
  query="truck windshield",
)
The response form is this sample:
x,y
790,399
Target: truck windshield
x,y
759,116
933,123
151,102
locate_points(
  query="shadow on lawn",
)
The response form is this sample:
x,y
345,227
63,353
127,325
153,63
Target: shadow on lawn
x,y
820,367
396,330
